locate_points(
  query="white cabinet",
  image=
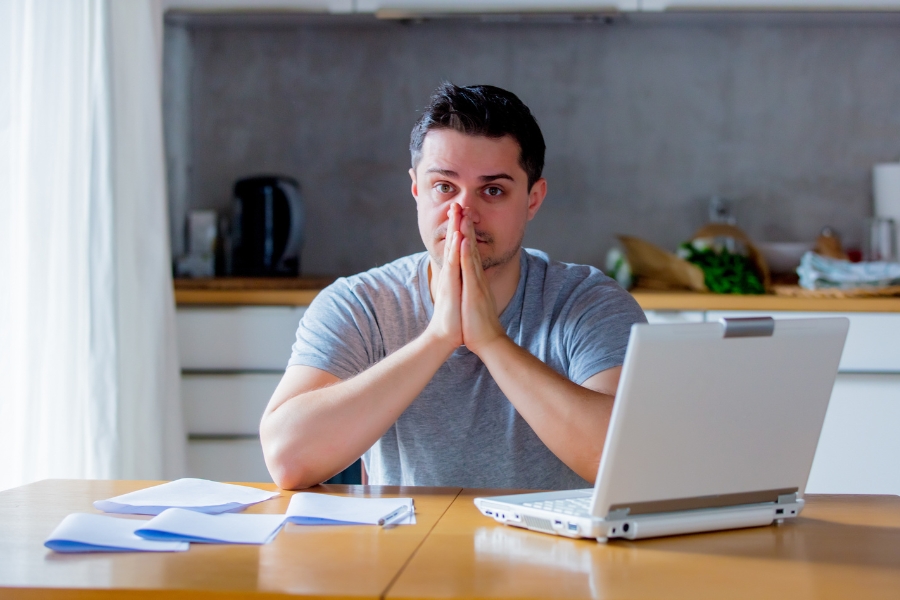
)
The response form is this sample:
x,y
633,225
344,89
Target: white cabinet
x,y
662,317
227,460
232,358
226,404
873,341
239,338
859,450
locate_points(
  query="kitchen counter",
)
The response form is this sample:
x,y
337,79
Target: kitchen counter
x,y
300,292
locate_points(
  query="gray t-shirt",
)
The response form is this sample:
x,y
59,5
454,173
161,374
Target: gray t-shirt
x,y
461,430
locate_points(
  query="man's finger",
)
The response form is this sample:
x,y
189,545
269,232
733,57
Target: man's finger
x,y
452,226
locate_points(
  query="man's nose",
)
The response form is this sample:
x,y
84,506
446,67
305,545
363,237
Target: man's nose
x,y
468,199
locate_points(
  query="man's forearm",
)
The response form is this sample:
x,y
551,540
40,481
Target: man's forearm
x,y
570,419
311,436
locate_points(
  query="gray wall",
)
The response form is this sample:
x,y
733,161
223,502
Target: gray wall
x,y
644,121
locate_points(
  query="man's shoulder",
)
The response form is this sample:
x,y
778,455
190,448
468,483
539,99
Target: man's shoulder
x,y
577,286
398,277
555,274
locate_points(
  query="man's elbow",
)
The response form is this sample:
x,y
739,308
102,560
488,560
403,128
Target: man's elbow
x,y
288,473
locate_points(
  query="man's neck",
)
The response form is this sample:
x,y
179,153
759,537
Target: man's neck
x,y
503,279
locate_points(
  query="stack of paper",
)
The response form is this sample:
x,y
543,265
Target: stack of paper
x,y
82,532
178,524
199,495
321,509
188,510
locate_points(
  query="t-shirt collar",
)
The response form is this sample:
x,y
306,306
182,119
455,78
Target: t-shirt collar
x,y
508,314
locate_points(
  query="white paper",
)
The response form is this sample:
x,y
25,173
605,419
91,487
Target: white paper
x,y
192,526
83,532
322,509
201,495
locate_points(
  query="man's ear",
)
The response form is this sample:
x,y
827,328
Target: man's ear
x,y
414,188
536,197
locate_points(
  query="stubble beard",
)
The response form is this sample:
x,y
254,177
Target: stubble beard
x,y
486,263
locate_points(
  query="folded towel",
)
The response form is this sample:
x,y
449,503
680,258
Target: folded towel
x,y
817,272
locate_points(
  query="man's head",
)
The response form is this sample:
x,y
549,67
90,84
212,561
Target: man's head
x,y
481,148
487,111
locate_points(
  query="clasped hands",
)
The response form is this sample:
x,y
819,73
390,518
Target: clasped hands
x,y
465,312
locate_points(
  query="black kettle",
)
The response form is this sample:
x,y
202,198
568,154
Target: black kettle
x,y
267,227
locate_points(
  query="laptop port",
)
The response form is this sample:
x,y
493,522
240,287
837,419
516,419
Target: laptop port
x,y
626,527
489,513
573,526
779,511
557,523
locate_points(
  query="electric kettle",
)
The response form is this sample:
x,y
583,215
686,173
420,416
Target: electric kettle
x,y
267,227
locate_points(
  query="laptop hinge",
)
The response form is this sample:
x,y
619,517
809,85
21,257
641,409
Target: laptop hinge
x,y
781,495
619,513
748,327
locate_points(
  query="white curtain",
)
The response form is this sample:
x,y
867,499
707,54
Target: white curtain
x,y
89,381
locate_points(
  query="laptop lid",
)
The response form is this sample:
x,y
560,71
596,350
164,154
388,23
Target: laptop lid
x,y
717,414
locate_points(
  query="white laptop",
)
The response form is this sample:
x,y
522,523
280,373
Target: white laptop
x,y
714,426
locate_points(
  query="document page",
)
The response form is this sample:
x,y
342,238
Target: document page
x,y
321,509
178,524
83,532
201,495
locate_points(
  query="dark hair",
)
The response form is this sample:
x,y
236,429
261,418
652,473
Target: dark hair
x,y
482,110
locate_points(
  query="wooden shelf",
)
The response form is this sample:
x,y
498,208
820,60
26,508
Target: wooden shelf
x,y
655,300
300,292
252,291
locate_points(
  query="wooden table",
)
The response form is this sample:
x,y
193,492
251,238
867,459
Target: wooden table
x,y
842,547
321,561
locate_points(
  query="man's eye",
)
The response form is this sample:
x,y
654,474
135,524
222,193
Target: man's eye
x,y
493,191
443,188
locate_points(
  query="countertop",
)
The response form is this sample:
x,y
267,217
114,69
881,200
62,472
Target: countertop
x,y
300,292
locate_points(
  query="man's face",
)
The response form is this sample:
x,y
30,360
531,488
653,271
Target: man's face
x,y
484,175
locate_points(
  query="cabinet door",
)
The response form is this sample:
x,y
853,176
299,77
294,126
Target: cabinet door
x,y
241,338
226,403
873,342
227,460
859,449
663,317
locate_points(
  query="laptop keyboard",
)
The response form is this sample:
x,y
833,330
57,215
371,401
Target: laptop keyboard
x,y
567,506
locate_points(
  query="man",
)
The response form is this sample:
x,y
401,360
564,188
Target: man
x,y
476,363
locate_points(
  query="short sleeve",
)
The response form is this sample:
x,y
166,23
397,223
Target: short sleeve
x,y
337,333
599,327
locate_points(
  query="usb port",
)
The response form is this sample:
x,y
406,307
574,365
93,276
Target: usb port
x,y
573,526
489,513
557,523
779,511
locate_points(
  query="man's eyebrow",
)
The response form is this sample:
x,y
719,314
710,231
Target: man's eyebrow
x,y
444,172
487,178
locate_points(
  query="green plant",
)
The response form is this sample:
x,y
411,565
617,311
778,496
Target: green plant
x,y
724,272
